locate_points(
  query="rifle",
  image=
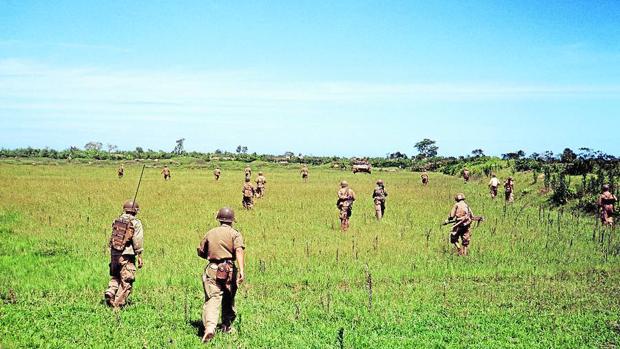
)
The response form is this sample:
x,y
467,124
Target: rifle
x,y
459,222
133,203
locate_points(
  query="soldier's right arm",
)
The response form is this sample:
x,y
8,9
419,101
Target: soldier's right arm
x,y
203,248
453,212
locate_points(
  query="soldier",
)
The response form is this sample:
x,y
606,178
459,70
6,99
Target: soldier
x,y
217,173
346,197
493,185
126,243
465,175
248,194
424,177
260,185
248,172
509,188
221,246
379,195
166,173
304,173
121,171
606,206
461,218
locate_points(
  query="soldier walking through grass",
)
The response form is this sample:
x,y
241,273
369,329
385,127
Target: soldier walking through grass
x,y
346,197
509,188
304,173
248,194
121,171
493,185
379,194
260,185
221,246
166,173
126,244
466,175
424,177
606,203
461,218
217,173
248,172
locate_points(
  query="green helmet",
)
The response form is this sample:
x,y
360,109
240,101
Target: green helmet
x,y
226,215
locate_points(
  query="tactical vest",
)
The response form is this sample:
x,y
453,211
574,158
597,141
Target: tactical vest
x,y
122,233
379,194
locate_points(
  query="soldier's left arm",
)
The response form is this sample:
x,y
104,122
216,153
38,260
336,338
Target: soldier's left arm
x,y
138,238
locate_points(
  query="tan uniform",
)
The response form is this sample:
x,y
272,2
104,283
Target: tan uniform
x,y
217,173
346,197
121,172
509,188
123,264
166,173
606,205
424,177
493,184
248,172
379,195
466,175
260,186
304,173
248,196
461,228
219,279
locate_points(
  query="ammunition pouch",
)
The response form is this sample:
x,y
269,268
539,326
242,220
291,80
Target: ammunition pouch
x,y
225,271
122,233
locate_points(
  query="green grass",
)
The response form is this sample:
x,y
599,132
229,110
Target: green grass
x,y
533,279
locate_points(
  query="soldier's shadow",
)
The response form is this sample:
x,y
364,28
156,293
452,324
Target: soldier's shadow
x,y
199,327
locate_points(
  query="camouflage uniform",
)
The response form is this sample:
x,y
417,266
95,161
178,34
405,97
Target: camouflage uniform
x,y
462,217
304,173
379,195
606,203
221,246
509,188
248,195
466,175
166,173
123,263
346,197
217,173
248,172
121,171
493,185
424,177
260,185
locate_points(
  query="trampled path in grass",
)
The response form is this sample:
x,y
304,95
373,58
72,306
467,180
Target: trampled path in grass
x,y
534,278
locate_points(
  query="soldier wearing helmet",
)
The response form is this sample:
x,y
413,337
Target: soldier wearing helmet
x,y
260,185
346,197
509,188
461,218
221,246
126,244
248,194
166,173
606,203
493,185
424,177
217,173
248,172
121,171
466,175
304,173
379,195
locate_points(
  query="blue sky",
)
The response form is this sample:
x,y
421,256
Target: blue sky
x,y
316,77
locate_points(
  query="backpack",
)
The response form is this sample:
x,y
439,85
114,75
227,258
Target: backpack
x,y
122,233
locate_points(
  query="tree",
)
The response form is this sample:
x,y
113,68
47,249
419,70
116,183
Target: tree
x,y
244,149
477,153
397,155
514,156
427,148
93,146
112,148
239,149
178,149
139,150
568,156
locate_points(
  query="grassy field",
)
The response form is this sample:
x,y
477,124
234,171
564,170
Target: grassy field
x,y
534,278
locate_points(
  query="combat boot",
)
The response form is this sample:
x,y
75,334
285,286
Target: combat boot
x,y
109,298
208,337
